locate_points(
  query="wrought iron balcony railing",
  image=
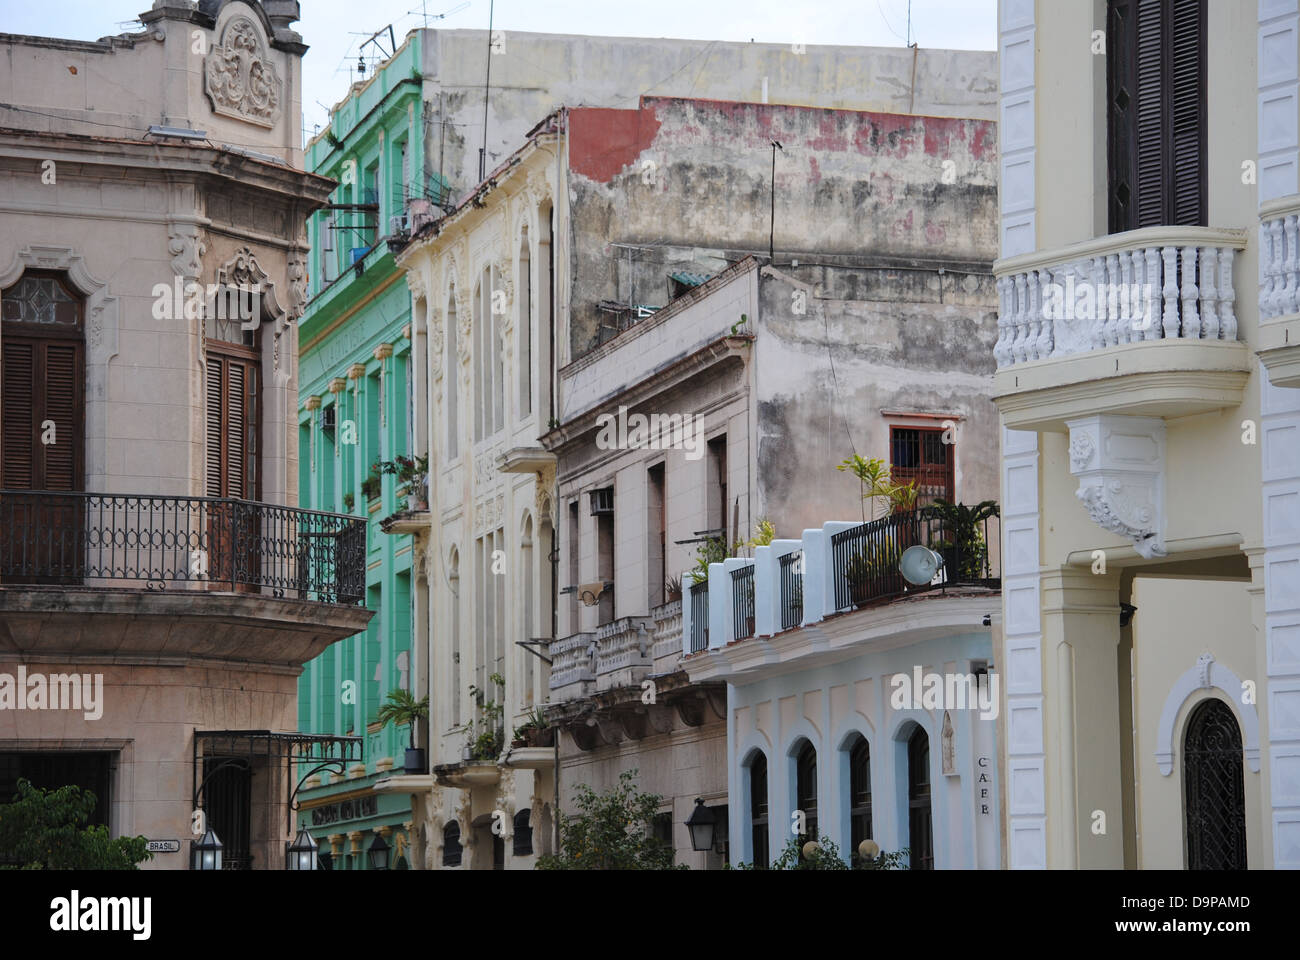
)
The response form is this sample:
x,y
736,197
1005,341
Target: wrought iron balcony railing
x,y
791,590
195,543
865,559
742,601
699,598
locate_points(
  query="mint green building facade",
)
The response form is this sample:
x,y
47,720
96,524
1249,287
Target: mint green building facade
x,y
355,408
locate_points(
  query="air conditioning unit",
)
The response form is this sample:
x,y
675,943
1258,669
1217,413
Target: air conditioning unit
x,y
396,226
602,502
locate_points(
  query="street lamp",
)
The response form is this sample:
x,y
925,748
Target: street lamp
x,y
378,853
701,825
302,853
205,853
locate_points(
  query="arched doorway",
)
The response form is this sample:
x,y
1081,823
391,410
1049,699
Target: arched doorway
x,y
1214,789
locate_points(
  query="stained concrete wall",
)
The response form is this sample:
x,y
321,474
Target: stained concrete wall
x,y
687,185
534,73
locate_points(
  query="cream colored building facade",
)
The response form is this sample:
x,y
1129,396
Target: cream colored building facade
x,y
1150,444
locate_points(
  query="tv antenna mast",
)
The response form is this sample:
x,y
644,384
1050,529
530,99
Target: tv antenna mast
x,y
424,12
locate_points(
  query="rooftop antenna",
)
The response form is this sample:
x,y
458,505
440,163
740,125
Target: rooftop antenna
x,y
424,12
487,89
376,40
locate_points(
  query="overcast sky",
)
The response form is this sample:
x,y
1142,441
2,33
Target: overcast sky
x,y
334,29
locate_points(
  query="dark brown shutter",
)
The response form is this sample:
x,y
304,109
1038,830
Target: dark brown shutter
x,y
1186,80
19,414
215,417
62,402
1156,113
231,427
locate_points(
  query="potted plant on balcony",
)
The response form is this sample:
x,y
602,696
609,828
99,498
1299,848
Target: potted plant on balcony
x,y
372,486
961,540
673,590
402,707
873,568
413,474
533,732
485,734
349,502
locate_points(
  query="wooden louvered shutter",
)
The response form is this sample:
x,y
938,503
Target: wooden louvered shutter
x,y
1186,81
19,401
231,400
1156,113
62,407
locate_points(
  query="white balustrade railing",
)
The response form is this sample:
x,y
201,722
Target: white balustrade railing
x,y
1158,283
572,664
1279,256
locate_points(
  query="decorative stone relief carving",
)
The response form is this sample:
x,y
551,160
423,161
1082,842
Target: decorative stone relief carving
x,y
1119,462
240,79
415,283
297,284
187,249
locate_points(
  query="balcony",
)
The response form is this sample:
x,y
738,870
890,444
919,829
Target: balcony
x,y
840,588
1279,295
277,584
573,668
623,656
1140,324
190,543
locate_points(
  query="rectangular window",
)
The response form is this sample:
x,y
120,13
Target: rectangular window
x,y
1156,113
717,487
919,455
657,540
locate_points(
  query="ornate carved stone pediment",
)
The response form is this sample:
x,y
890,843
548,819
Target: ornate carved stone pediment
x,y
240,79
1119,462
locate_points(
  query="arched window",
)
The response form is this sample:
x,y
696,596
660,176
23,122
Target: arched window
x,y
453,584
451,845
524,333
859,793
451,374
43,377
530,630
920,834
806,789
758,809
523,839
1214,789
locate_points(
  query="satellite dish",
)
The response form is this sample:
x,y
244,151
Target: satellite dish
x,y
919,564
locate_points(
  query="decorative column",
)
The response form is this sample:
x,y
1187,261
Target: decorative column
x,y
1084,802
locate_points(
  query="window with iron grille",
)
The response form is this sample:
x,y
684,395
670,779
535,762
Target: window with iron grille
x,y
758,810
859,793
806,790
523,835
919,455
451,845
1214,788
920,832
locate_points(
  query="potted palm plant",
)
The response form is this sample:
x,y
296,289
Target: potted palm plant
x,y
402,707
961,540
413,474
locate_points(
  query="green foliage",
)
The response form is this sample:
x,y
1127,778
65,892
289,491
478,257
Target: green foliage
x,y
42,830
371,486
486,732
879,559
739,324
963,545
408,470
402,707
672,589
611,831
534,723
877,485
712,550
764,534
826,856
349,502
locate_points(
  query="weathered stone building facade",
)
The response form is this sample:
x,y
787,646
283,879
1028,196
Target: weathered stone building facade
x,y
152,265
